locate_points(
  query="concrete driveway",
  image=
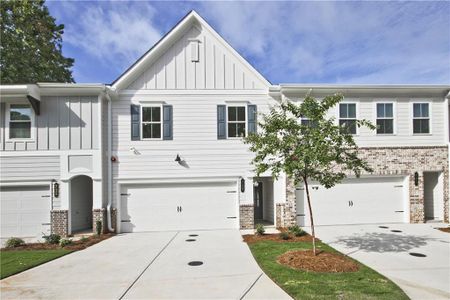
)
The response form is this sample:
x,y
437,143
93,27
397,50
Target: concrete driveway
x,y
388,252
150,265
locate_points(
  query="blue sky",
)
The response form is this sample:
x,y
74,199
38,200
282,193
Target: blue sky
x,y
288,42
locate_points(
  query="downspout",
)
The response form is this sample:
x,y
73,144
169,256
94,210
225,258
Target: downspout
x,y
108,207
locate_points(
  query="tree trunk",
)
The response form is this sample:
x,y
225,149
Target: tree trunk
x,y
310,215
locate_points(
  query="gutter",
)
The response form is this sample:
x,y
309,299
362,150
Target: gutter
x,y
109,205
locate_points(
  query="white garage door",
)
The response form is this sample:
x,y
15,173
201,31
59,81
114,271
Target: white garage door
x,y
178,207
25,211
354,201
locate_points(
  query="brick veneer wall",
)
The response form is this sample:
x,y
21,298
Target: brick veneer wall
x,y
403,161
114,219
60,222
246,216
99,214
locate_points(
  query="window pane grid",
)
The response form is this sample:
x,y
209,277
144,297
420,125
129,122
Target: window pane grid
x,y
236,121
20,121
347,117
385,118
421,118
151,122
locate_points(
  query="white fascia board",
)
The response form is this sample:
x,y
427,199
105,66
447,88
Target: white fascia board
x,y
62,89
19,91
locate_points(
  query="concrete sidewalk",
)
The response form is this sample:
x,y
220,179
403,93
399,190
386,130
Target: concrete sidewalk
x,y
388,252
150,265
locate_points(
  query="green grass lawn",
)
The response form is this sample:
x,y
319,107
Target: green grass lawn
x,y
363,284
13,262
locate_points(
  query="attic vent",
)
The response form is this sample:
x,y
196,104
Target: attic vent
x,y
195,50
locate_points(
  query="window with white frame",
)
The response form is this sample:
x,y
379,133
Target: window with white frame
x,y
421,118
236,121
385,118
20,121
151,122
347,117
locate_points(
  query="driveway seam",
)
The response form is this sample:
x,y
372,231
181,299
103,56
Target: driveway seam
x,y
148,265
250,287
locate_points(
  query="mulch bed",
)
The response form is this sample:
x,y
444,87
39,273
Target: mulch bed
x,y
254,238
75,246
324,262
444,229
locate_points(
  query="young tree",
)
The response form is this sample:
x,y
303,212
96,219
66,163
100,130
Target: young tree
x,y
302,142
30,48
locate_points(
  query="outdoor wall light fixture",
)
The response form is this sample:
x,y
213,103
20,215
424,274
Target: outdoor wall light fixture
x,y
178,159
243,185
416,178
56,189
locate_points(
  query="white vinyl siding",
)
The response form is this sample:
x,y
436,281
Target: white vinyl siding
x,y
27,168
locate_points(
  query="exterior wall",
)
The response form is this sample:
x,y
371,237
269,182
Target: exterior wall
x,y
60,222
64,123
403,131
23,168
399,161
217,67
246,216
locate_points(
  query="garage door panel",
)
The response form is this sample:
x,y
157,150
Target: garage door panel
x,y
356,201
25,211
178,207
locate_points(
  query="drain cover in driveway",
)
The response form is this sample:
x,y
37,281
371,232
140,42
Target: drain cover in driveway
x,y
417,254
190,240
384,227
193,235
396,230
195,263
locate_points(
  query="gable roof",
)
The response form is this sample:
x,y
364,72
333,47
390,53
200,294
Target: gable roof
x,y
166,41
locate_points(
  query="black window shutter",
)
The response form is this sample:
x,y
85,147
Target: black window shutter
x,y
221,122
135,122
167,122
252,118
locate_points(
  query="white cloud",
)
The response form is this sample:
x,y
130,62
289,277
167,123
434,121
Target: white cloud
x,y
112,32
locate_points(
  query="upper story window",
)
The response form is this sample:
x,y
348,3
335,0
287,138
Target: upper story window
x,y
421,118
151,122
20,121
347,117
236,121
385,118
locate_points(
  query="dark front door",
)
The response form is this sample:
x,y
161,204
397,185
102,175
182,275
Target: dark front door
x,y
258,201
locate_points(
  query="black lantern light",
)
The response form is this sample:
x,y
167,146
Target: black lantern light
x,y
416,178
56,190
242,185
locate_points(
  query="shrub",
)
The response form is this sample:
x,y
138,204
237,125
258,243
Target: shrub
x,y
284,235
65,242
260,229
98,227
52,238
14,242
296,230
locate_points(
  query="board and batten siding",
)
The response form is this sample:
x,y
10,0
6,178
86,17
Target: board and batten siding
x,y
64,123
217,67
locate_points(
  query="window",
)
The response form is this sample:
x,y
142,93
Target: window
x,y
421,118
236,121
20,121
347,117
385,118
307,122
151,122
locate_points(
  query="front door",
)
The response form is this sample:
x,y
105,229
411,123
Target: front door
x,y
258,201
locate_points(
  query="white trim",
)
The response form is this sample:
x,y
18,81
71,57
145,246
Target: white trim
x,y
32,137
430,117
394,115
152,122
236,104
24,183
206,92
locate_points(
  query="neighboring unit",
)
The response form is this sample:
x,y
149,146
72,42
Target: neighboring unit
x,y
161,148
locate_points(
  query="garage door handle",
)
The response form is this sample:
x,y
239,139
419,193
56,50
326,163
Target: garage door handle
x,y
399,211
300,215
125,221
46,224
231,217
